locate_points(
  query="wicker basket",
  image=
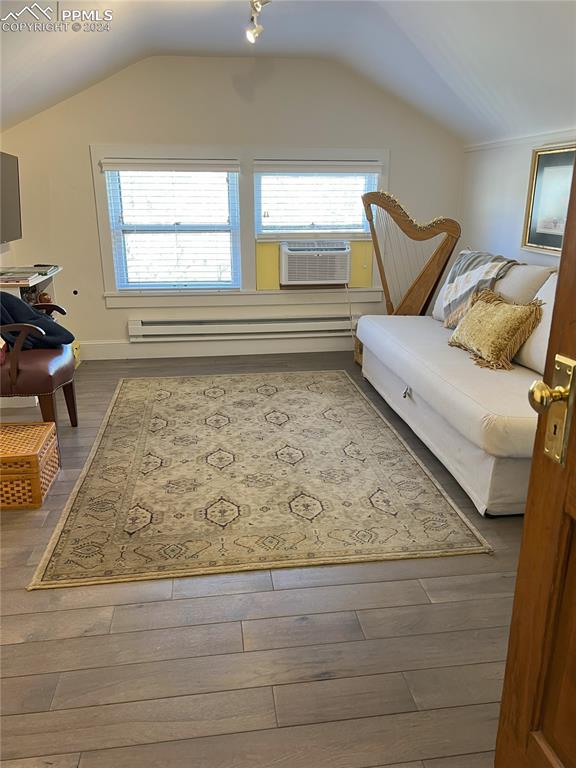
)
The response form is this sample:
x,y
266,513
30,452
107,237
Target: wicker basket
x,y
29,463
358,351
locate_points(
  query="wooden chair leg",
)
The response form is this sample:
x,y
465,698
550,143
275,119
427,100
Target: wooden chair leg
x,y
48,407
70,397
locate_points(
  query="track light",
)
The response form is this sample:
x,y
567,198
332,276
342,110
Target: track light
x,y
257,5
255,29
254,32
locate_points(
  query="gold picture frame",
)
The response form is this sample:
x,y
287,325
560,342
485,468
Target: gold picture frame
x,y
547,201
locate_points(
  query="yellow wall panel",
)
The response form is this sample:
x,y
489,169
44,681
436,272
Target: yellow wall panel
x,y
361,264
267,266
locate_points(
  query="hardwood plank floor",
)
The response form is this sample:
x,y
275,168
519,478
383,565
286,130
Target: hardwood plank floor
x,y
110,650
28,627
456,686
483,760
263,634
438,617
350,743
143,722
133,682
50,761
392,664
27,694
266,605
223,584
342,699
489,585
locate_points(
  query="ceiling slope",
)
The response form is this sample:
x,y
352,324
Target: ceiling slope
x,y
487,70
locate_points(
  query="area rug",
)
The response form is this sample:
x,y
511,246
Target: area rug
x,y
211,474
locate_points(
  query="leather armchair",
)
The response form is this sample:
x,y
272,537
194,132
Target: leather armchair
x,y
39,372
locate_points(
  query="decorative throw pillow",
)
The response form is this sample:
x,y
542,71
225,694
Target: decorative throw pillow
x,y
493,329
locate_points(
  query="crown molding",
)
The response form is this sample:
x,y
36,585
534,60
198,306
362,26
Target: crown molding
x,y
535,139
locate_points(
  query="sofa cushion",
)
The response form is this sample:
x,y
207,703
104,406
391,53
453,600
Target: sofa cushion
x,y
532,354
519,285
489,408
493,329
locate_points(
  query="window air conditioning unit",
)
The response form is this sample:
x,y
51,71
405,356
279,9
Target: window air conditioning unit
x,y
315,262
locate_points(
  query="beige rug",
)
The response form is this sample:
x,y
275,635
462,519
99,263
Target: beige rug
x,y
211,474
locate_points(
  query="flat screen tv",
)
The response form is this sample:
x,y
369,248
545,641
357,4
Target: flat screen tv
x,y
10,221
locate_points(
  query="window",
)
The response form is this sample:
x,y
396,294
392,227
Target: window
x,y
174,225
175,220
311,200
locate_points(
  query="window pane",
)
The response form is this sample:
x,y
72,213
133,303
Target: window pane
x,y
312,201
178,257
169,197
175,229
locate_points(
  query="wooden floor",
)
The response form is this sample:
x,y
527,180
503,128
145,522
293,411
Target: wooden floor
x,y
349,666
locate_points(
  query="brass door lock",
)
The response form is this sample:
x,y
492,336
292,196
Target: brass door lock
x,y
557,402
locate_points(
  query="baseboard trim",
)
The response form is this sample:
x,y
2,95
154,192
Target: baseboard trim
x,y
124,350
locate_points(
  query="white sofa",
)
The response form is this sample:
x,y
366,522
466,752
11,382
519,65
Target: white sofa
x,y
475,420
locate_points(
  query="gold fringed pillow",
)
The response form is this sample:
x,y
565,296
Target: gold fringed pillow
x,y
494,329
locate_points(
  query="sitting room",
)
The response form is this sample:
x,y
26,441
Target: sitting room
x,y
288,384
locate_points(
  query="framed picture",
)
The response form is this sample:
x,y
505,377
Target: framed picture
x,y
548,193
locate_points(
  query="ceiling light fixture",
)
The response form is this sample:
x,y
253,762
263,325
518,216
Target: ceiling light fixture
x,y
254,32
255,29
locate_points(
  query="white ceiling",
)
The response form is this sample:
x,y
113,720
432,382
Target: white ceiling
x,y
486,69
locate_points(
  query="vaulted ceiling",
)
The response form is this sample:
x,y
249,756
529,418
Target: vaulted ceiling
x,y
487,69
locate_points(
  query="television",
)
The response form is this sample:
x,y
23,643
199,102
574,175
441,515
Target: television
x,y
10,221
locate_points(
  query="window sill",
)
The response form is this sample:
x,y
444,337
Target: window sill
x,y
234,298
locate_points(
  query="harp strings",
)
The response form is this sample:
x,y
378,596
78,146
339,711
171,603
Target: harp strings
x,y
403,257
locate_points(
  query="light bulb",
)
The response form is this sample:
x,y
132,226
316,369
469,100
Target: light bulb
x,y
254,32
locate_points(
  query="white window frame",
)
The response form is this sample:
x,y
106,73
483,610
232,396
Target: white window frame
x,y
247,157
305,167
112,171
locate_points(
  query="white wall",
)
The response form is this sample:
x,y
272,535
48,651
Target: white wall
x,y
496,178
190,100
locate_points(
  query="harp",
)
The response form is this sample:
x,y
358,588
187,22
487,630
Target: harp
x,y
411,257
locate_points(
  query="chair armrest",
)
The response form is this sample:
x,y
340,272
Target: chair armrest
x,y
23,330
49,308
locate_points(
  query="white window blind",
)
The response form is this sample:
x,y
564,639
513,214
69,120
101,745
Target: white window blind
x,y
319,197
175,224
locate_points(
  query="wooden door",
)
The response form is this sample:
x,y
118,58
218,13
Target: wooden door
x,y
538,716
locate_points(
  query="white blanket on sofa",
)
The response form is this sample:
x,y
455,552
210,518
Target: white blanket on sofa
x,y
472,272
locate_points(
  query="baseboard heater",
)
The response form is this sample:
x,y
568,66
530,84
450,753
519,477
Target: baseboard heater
x,y
226,330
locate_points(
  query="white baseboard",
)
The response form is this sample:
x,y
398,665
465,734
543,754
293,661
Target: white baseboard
x,y
124,350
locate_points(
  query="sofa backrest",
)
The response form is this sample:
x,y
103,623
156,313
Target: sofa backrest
x,y
532,354
519,284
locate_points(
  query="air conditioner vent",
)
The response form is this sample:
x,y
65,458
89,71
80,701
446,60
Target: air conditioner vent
x,y
315,262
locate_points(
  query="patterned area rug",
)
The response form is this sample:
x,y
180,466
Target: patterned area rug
x,y
208,474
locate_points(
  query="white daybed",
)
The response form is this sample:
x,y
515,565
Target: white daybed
x,y
476,421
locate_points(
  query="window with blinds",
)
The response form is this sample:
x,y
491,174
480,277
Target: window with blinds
x,y
174,226
324,199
